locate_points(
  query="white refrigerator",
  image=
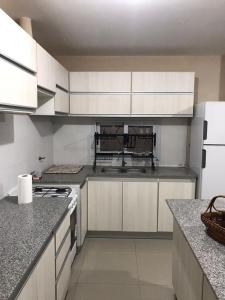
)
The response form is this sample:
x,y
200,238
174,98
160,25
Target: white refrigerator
x,y
207,149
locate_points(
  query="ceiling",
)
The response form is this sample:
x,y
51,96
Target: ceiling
x,y
125,27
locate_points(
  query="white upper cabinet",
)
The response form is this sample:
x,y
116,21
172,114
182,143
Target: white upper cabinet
x,y
163,82
46,70
61,101
16,44
18,87
62,76
100,82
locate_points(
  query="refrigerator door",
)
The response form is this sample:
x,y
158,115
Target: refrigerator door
x,y
215,117
213,174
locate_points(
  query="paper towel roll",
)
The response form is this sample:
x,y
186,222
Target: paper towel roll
x,y
24,189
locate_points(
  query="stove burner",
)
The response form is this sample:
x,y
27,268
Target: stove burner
x,y
51,191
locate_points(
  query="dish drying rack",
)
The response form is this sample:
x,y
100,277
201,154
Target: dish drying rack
x,y
129,142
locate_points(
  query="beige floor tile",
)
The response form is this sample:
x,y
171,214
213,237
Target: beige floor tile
x,y
110,245
153,245
104,292
109,267
156,292
76,267
155,268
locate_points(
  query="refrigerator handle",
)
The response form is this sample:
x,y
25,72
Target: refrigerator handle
x,y
205,129
203,158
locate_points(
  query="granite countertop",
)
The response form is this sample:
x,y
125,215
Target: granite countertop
x,y
25,231
87,171
209,253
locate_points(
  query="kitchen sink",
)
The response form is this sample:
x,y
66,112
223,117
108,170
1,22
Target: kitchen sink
x,y
119,170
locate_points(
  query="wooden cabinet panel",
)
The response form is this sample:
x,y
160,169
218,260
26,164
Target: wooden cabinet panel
x,y
187,274
172,190
86,104
46,273
41,283
95,82
46,69
29,291
162,104
105,205
18,87
163,82
63,281
208,293
84,211
61,232
140,206
61,101
16,44
62,76
63,253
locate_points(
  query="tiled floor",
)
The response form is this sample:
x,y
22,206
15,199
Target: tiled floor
x,y
122,269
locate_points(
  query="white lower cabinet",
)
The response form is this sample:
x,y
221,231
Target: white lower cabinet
x,y
84,211
187,274
208,293
172,190
41,283
105,205
140,206
18,87
63,280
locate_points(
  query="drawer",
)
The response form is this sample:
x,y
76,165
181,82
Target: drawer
x,y
63,281
63,253
61,232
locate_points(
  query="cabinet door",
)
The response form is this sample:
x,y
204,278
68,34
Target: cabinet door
x,y
63,280
162,104
61,101
95,82
140,206
29,291
172,190
18,87
86,104
46,69
208,293
105,205
45,271
187,274
16,44
62,76
163,82
84,212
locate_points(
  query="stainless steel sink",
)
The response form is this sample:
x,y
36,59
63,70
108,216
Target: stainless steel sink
x,y
119,170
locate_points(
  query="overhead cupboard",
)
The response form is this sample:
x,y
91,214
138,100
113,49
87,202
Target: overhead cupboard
x,y
132,93
53,84
18,65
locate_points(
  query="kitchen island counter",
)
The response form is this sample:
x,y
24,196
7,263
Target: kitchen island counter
x,y
209,254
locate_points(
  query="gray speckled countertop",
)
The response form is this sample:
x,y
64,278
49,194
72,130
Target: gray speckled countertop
x,y
25,231
87,171
209,253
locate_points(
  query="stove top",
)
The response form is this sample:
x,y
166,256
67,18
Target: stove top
x,y
48,191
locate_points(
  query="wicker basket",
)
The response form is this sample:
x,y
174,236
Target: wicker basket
x,y
214,221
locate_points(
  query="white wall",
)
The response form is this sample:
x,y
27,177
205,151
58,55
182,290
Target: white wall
x,y
73,140
22,140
